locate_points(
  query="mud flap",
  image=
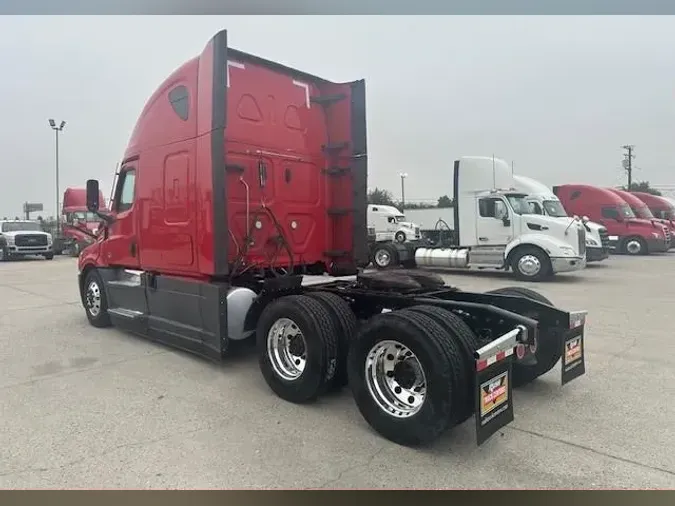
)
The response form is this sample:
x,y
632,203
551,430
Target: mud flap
x,y
494,394
573,364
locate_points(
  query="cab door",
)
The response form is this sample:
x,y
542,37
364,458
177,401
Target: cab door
x,y
121,247
494,225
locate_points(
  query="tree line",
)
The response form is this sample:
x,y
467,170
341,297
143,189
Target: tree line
x,y
382,197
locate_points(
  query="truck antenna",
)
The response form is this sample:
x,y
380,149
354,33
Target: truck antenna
x,y
512,167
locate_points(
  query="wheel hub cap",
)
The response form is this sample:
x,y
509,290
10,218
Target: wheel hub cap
x,y
93,299
286,349
382,258
633,247
395,379
529,265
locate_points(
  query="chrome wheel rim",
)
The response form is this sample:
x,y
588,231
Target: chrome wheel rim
x,y
93,299
529,265
400,237
287,349
382,258
395,379
633,247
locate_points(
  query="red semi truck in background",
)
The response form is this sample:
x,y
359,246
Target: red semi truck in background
x,y
660,207
78,225
241,176
641,211
627,234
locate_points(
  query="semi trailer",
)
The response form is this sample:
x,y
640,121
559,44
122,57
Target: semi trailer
x,y
226,199
489,227
541,200
627,234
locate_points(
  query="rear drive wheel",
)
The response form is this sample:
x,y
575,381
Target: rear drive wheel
x,y
400,237
457,329
297,348
345,321
635,246
547,348
95,300
385,256
530,264
407,377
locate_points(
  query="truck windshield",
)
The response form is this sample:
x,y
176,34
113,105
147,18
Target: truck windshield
x,y
664,214
83,216
626,211
21,226
642,212
554,208
400,218
518,204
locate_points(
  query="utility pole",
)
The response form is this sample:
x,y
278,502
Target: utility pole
x,y
403,176
628,163
57,130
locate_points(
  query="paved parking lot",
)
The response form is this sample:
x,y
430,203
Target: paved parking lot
x,y
88,408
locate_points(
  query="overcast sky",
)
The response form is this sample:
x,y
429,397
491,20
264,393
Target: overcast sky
x,y
557,95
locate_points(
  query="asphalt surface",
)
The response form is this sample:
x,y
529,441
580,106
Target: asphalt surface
x,y
88,408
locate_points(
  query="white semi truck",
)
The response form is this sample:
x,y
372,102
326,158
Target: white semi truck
x,y
390,224
489,227
541,200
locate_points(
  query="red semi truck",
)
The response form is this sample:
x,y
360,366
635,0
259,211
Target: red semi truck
x,y
242,175
660,207
627,234
78,225
642,211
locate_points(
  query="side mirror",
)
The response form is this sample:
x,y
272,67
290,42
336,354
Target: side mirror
x,y
506,221
92,195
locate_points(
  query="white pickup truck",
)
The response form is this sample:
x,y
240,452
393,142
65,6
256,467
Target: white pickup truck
x,y
20,238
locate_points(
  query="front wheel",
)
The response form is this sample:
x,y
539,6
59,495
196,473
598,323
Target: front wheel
x,y
49,256
635,246
400,237
95,300
4,255
530,264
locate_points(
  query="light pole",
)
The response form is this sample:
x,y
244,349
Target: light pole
x,y
403,176
57,129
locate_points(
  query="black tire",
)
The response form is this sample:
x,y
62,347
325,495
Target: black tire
x,y
521,253
385,256
5,257
634,246
400,237
549,350
441,360
49,256
93,289
457,329
345,321
320,335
